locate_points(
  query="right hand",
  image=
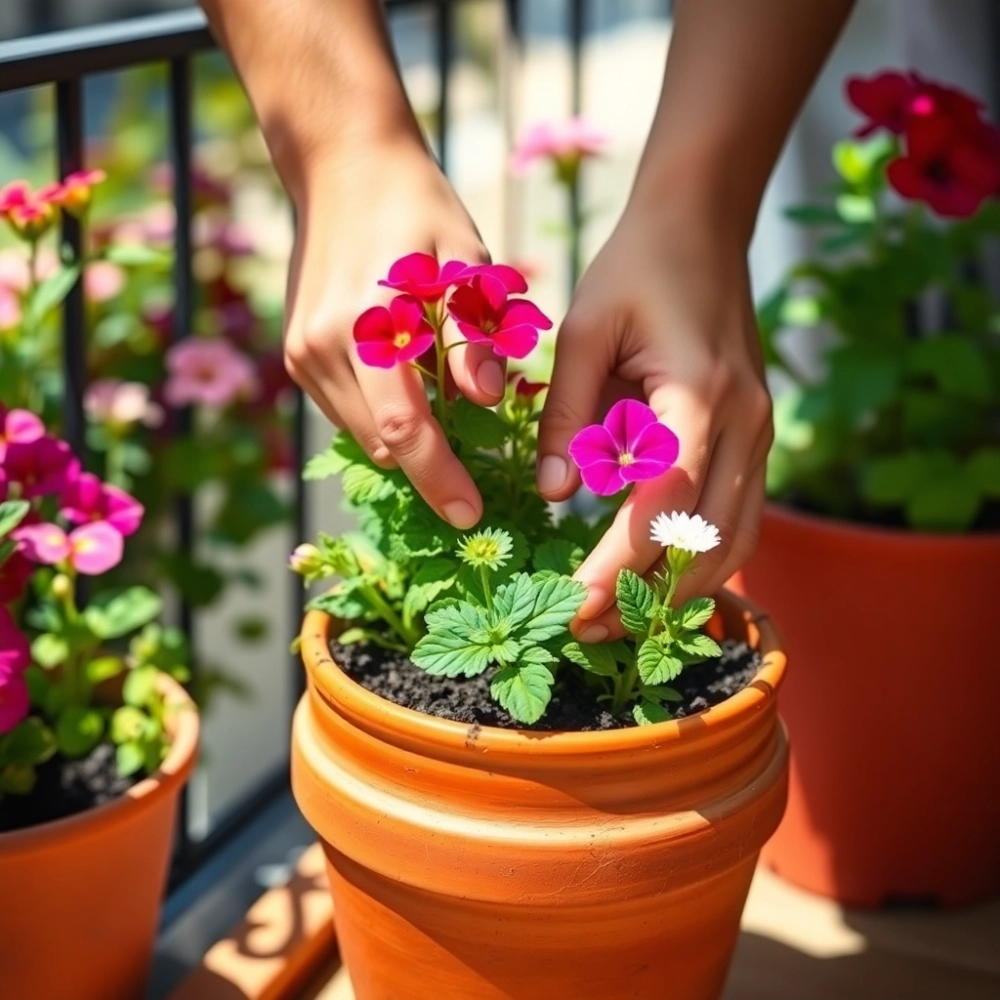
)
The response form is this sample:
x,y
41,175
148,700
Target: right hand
x,y
360,211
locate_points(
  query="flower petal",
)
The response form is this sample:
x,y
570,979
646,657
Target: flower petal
x,y
23,426
514,342
656,443
413,269
43,543
374,324
14,701
419,343
603,478
521,311
407,315
625,420
97,547
378,353
591,445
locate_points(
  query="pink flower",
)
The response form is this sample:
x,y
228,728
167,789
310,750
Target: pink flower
x,y
74,192
10,309
92,549
15,195
630,445
565,143
230,238
14,660
485,314
103,281
386,337
14,273
88,499
42,466
208,372
18,427
420,275
111,401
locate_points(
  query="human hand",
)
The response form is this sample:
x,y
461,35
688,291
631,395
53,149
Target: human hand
x,y
358,213
664,314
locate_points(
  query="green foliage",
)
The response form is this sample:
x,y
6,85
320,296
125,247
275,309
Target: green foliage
x,y
901,424
635,600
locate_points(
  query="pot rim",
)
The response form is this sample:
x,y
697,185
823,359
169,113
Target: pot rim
x,y
376,713
795,517
171,775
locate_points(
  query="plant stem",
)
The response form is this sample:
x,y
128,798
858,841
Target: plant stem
x,y
391,618
484,574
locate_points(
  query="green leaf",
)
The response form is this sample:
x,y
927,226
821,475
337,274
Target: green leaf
x,y
984,470
12,513
593,657
895,478
116,613
447,650
17,779
697,612
803,310
656,664
78,730
363,484
660,692
856,208
859,161
188,464
558,556
945,504
49,294
811,215
342,600
49,650
137,255
955,363
696,644
648,713
524,690
432,578
139,689
863,378
516,598
127,724
323,466
556,600
478,426
635,601
103,668
29,743
130,758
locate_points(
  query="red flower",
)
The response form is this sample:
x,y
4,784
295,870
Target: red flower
x,y
41,467
935,98
74,191
524,388
385,337
951,167
484,313
420,275
886,99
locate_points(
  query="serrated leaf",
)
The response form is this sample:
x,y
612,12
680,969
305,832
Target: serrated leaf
x,y
538,654
49,650
342,600
116,613
656,664
432,578
78,730
515,598
444,654
129,758
984,470
595,658
478,426
523,690
697,644
556,600
12,513
635,601
648,713
558,555
696,612
364,485
323,466
660,692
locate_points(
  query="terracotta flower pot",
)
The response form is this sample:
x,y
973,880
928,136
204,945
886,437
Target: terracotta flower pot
x,y
472,863
891,710
81,896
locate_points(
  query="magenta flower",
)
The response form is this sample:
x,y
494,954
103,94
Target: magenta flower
x,y
74,192
386,337
14,660
420,275
42,466
18,427
92,549
565,143
485,314
88,499
208,372
524,388
630,445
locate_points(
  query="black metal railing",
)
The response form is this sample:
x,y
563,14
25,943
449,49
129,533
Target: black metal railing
x,y
63,60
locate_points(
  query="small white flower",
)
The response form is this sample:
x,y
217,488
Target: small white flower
x,y
682,531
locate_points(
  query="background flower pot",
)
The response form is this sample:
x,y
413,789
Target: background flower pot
x,y
891,710
81,896
486,863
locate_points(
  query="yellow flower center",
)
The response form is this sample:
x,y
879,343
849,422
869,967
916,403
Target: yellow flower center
x,y
402,339
626,458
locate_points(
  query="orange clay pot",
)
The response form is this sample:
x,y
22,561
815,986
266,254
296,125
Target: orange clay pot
x,y
475,863
80,897
891,710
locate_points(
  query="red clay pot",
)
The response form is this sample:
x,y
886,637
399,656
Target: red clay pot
x,y
471,863
891,710
80,897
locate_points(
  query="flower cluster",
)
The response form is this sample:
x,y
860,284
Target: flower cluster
x,y
31,214
950,154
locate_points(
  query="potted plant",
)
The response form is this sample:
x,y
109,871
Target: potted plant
x,y
505,811
97,736
886,477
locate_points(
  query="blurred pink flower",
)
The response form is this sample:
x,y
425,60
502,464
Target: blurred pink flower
x,y
14,274
208,372
88,499
229,237
10,308
75,190
111,401
18,427
15,657
103,281
92,549
566,143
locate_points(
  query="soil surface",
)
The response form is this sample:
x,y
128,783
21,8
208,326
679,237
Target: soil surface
x,y
65,788
573,707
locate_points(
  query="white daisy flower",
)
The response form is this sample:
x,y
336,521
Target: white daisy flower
x,y
682,531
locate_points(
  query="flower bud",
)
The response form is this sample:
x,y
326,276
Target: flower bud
x,y
306,560
62,587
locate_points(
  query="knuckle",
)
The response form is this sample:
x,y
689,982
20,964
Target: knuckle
x,y
561,415
398,427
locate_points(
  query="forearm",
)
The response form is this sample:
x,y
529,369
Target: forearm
x,y
320,74
737,74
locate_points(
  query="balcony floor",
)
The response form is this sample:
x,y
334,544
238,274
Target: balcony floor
x,y
796,946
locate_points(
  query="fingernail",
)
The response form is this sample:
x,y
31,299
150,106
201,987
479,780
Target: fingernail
x,y
552,472
460,514
594,633
489,375
596,602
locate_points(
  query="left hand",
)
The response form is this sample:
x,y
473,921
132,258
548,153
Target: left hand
x,y
664,314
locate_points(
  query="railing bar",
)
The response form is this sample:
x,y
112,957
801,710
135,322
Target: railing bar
x,y
445,53
69,143
577,29
300,529
181,139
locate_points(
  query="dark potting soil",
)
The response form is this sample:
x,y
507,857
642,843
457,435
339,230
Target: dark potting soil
x,y
66,787
573,707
